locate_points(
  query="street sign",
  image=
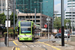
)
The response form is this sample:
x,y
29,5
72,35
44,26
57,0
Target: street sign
x,y
7,24
45,25
5,12
48,19
44,29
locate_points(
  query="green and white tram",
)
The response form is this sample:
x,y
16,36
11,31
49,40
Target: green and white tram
x,y
26,31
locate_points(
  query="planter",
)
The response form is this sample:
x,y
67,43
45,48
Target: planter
x,y
72,38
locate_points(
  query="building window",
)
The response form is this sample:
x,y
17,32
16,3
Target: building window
x,y
27,20
38,24
33,20
33,16
30,16
68,12
30,20
37,20
37,16
27,17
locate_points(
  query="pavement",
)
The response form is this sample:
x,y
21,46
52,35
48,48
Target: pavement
x,y
68,45
50,45
4,47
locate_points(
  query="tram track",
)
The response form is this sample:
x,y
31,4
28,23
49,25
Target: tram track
x,y
42,47
31,46
27,46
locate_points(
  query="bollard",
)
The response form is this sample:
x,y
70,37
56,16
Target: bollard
x,y
6,40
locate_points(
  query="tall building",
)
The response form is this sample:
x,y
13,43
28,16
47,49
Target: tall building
x,y
45,7
2,6
70,12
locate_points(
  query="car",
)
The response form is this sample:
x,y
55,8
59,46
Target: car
x,y
58,35
72,33
66,34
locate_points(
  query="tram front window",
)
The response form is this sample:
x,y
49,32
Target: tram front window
x,y
25,30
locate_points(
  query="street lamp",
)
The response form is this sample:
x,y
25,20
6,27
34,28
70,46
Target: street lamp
x,y
7,12
48,19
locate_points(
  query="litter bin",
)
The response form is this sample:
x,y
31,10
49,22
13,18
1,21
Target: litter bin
x,y
6,40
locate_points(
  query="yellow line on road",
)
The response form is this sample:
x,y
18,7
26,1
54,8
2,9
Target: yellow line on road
x,y
15,43
50,45
18,48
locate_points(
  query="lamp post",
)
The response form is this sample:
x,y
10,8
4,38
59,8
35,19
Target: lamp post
x,y
72,15
62,21
7,12
48,19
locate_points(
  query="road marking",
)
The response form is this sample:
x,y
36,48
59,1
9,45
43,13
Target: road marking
x,y
15,43
13,48
16,48
50,45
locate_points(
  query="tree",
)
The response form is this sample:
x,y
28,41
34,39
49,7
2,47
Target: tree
x,y
57,23
2,19
11,19
67,21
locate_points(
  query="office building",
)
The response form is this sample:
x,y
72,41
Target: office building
x,y
42,6
70,11
2,6
40,19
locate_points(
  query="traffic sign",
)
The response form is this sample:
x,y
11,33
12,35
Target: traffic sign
x,y
7,24
5,12
45,25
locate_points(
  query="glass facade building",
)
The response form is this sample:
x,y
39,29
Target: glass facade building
x,y
45,7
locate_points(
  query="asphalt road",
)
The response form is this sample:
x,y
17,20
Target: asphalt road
x,y
54,39
32,46
2,44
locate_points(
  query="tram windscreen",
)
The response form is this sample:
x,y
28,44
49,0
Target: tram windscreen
x,y
25,30
25,23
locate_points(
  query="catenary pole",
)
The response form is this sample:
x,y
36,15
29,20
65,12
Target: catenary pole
x,y
62,21
14,16
7,21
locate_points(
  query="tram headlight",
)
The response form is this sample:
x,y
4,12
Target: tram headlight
x,y
30,36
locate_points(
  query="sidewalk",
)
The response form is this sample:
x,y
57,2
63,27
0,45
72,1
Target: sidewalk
x,y
10,39
66,47
71,43
6,48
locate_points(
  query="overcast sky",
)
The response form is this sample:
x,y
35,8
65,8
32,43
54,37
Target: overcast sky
x,y
57,5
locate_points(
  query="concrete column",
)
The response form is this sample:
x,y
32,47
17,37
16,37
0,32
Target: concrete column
x,y
1,6
40,21
6,4
25,17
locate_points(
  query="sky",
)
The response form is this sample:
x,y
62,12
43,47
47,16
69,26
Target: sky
x,y
57,5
